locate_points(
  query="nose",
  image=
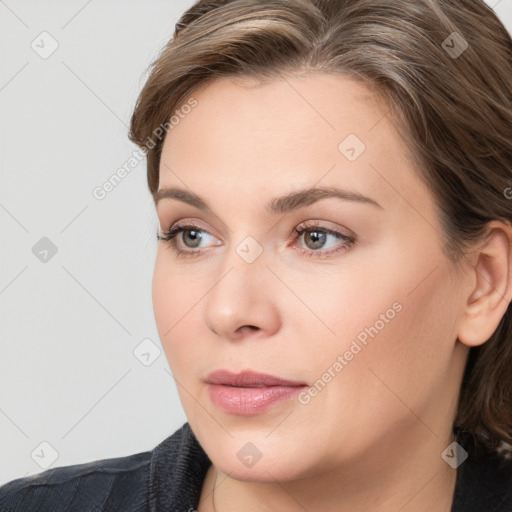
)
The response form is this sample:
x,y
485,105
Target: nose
x,y
243,301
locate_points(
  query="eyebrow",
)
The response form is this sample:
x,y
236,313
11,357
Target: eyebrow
x,y
281,204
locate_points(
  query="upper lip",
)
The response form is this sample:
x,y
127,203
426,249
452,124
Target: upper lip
x,y
249,379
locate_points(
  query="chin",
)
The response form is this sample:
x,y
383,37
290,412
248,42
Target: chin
x,y
250,456
279,467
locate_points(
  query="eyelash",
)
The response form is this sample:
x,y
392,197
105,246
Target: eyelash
x,y
170,236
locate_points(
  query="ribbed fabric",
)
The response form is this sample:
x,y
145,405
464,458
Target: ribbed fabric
x,y
167,478
484,483
170,477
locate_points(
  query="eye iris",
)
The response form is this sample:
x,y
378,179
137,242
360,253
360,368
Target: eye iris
x,y
318,238
196,237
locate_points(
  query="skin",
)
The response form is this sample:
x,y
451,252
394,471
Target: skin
x,y
374,435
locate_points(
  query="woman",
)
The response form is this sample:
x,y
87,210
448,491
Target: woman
x,y
332,181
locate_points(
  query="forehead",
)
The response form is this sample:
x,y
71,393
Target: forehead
x,y
289,133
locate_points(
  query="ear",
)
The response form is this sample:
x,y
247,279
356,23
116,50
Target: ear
x,y
488,299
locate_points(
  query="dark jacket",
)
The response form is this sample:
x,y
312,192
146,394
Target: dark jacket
x,y
169,478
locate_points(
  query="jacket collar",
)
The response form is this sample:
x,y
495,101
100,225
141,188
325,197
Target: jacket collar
x,y
177,471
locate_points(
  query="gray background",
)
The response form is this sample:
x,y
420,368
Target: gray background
x,y
72,389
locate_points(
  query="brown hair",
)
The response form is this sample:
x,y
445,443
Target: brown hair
x,y
445,67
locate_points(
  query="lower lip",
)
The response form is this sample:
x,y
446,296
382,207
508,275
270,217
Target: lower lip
x,y
249,401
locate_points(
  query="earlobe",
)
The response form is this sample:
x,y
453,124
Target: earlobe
x,y
489,298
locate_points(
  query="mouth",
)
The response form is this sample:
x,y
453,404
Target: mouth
x,y
249,392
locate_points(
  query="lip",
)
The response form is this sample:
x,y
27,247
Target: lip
x,y
248,379
249,392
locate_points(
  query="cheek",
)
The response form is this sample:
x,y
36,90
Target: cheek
x,y
176,305
405,363
168,303
174,291
163,298
394,318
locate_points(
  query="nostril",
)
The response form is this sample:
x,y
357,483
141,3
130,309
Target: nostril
x,y
251,327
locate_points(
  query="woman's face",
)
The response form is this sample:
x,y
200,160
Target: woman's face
x,y
366,320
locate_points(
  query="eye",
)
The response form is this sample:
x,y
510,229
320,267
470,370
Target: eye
x,y
315,238
190,233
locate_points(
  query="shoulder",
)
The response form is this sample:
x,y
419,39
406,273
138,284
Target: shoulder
x,y
484,482
164,478
86,486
